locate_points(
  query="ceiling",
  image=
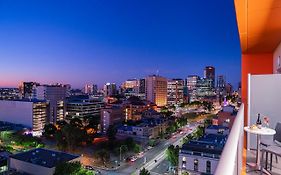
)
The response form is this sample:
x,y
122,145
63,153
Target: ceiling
x,y
259,24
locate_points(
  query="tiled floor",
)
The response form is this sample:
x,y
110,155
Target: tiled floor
x,y
276,167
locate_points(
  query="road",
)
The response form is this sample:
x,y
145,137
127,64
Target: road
x,y
148,160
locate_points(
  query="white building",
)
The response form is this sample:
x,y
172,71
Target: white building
x,y
30,113
201,156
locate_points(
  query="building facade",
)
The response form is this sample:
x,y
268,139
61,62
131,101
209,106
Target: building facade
x,y
110,89
83,108
209,73
175,94
156,90
56,96
110,116
30,113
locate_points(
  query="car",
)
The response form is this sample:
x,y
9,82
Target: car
x,y
88,167
133,158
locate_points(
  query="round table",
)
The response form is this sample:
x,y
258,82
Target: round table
x,y
259,132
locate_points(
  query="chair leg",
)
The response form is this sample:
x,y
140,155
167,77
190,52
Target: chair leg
x,y
271,161
262,163
266,160
276,158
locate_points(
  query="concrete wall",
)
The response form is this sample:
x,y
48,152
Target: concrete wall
x,y
18,112
202,161
29,168
264,98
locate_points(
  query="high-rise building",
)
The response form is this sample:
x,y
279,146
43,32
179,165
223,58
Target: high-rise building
x,y
229,89
142,86
205,88
175,91
191,82
90,89
156,90
26,89
209,72
110,89
130,87
221,82
55,95
31,113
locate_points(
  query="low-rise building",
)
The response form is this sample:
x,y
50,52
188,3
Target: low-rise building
x,y
217,129
149,128
201,156
110,116
39,161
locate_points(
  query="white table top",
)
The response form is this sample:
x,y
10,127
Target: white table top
x,y
261,131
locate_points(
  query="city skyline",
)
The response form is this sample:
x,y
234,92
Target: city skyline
x,y
99,42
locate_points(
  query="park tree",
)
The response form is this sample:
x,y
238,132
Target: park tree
x,y
172,154
49,130
144,172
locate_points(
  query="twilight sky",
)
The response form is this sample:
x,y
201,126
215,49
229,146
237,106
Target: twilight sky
x,y
97,41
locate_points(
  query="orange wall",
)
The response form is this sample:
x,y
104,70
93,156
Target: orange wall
x,y
253,64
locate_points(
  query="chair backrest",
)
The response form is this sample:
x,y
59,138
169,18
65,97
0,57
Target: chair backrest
x,y
277,136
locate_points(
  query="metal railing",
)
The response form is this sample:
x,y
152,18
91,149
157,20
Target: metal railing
x,y
232,156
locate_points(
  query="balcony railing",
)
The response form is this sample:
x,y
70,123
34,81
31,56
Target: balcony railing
x,y
232,156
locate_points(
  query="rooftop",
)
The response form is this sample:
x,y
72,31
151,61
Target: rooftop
x,y
44,157
210,143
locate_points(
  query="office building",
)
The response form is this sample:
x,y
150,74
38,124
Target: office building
x,y
39,161
26,89
142,86
228,89
83,107
175,92
30,113
191,82
130,88
205,88
209,73
111,115
156,90
55,95
9,93
110,89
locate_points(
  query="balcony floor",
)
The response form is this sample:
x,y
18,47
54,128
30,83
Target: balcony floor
x,y
276,167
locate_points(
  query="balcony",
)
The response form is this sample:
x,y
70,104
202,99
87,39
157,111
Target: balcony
x,y
235,157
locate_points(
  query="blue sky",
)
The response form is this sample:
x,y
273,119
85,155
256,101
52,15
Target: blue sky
x,y
96,41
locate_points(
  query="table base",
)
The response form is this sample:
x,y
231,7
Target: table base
x,y
256,168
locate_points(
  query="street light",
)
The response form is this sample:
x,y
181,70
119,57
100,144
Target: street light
x,y
122,146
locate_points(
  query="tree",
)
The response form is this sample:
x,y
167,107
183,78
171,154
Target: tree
x,y
49,130
73,136
71,168
76,122
137,148
111,132
144,172
103,156
172,154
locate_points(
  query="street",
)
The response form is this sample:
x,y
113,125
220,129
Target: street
x,y
154,156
